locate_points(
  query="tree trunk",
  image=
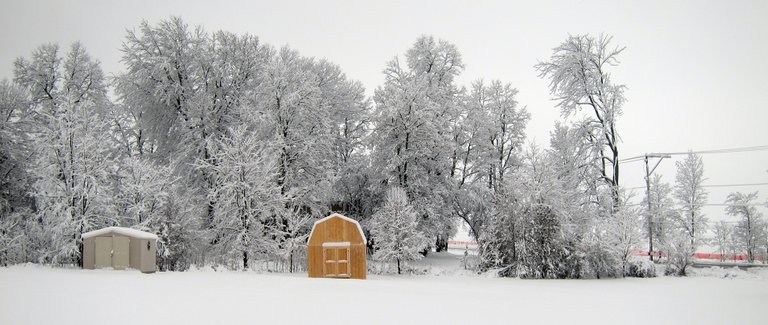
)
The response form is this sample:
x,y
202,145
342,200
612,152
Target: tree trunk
x,y
693,230
245,260
398,266
80,253
615,180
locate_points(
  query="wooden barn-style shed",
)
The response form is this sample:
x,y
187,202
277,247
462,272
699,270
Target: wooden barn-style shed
x,y
120,248
337,249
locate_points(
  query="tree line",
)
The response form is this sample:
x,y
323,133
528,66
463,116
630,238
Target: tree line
x,y
229,149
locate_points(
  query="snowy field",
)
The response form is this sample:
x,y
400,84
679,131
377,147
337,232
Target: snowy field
x,y
31,294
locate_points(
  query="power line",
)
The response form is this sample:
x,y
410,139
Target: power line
x,y
713,205
728,150
711,185
726,205
714,151
731,185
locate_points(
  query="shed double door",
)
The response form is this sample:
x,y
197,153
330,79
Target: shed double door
x,y
336,261
112,252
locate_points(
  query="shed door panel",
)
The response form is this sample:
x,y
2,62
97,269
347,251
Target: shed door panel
x,y
336,262
343,262
120,251
329,262
103,252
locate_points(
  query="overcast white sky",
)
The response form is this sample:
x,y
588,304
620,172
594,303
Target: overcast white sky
x,y
697,71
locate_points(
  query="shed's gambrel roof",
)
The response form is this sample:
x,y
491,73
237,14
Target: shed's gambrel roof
x,y
336,215
122,231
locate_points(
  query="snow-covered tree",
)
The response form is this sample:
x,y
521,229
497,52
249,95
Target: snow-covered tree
x,y
182,86
72,146
585,154
244,193
671,231
15,116
742,205
541,247
580,80
164,88
724,237
761,244
350,112
415,113
501,235
679,251
15,180
11,237
690,194
487,142
160,84
184,89
187,91
599,243
504,129
546,221
625,239
313,118
395,231
662,215
181,242
532,235
573,168
138,190
542,254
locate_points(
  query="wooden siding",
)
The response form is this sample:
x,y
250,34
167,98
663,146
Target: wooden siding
x,y
357,263
337,230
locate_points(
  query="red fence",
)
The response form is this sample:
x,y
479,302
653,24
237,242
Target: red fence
x,y
462,243
701,256
706,256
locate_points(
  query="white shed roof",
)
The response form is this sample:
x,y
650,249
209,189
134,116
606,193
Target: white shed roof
x,y
336,215
120,230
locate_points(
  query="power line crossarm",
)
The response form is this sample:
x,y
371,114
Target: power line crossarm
x,y
714,151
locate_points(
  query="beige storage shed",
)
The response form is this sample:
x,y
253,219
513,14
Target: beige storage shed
x,y
336,249
120,248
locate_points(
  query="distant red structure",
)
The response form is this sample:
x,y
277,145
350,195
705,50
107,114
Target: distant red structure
x,y
460,242
707,256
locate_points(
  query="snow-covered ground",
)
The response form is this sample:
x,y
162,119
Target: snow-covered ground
x,y
31,294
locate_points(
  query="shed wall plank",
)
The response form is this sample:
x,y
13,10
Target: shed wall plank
x,y
336,230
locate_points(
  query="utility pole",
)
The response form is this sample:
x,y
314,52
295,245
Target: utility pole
x,y
648,173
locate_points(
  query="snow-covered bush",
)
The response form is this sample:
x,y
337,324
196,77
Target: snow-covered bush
x,y
542,253
640,267
680,253
497,246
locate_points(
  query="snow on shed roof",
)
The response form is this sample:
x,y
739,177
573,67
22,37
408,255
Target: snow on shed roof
x,y
120,230
336,215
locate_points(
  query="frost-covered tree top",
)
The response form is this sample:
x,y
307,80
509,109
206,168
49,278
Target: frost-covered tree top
x,y
689,180
73,79
691,195
439,60
580,82
579,77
